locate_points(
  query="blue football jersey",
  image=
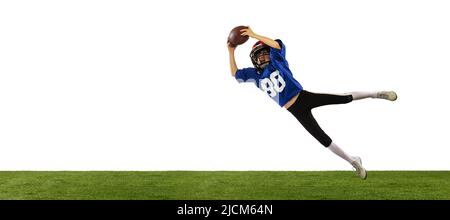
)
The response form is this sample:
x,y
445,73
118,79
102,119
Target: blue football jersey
x,y
276,80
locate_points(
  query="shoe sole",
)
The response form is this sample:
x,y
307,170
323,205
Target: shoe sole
x,y
395,96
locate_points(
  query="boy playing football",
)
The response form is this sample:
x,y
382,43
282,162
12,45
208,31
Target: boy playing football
x,y
272,75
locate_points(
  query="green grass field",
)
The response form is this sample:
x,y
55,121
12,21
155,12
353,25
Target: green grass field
x,y
249,185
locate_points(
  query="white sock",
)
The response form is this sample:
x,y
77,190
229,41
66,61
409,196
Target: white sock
x,y
363,95
338,151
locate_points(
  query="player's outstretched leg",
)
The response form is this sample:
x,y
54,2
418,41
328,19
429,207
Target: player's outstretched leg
x,y
388,95
305,117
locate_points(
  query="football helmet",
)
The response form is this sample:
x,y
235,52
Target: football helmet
x,y
258,48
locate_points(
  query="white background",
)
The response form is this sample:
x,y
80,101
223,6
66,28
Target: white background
x,y
145,85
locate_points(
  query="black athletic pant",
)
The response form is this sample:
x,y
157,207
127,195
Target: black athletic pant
x,y
306,101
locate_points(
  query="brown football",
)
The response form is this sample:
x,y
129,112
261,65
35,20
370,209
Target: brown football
x,y
235,38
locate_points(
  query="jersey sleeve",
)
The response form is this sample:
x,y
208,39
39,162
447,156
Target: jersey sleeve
x,y
246,75
278,54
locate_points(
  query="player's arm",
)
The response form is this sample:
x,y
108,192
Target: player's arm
x,y
233,66
249,32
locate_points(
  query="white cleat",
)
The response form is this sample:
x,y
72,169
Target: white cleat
x,y
360,171
388,95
